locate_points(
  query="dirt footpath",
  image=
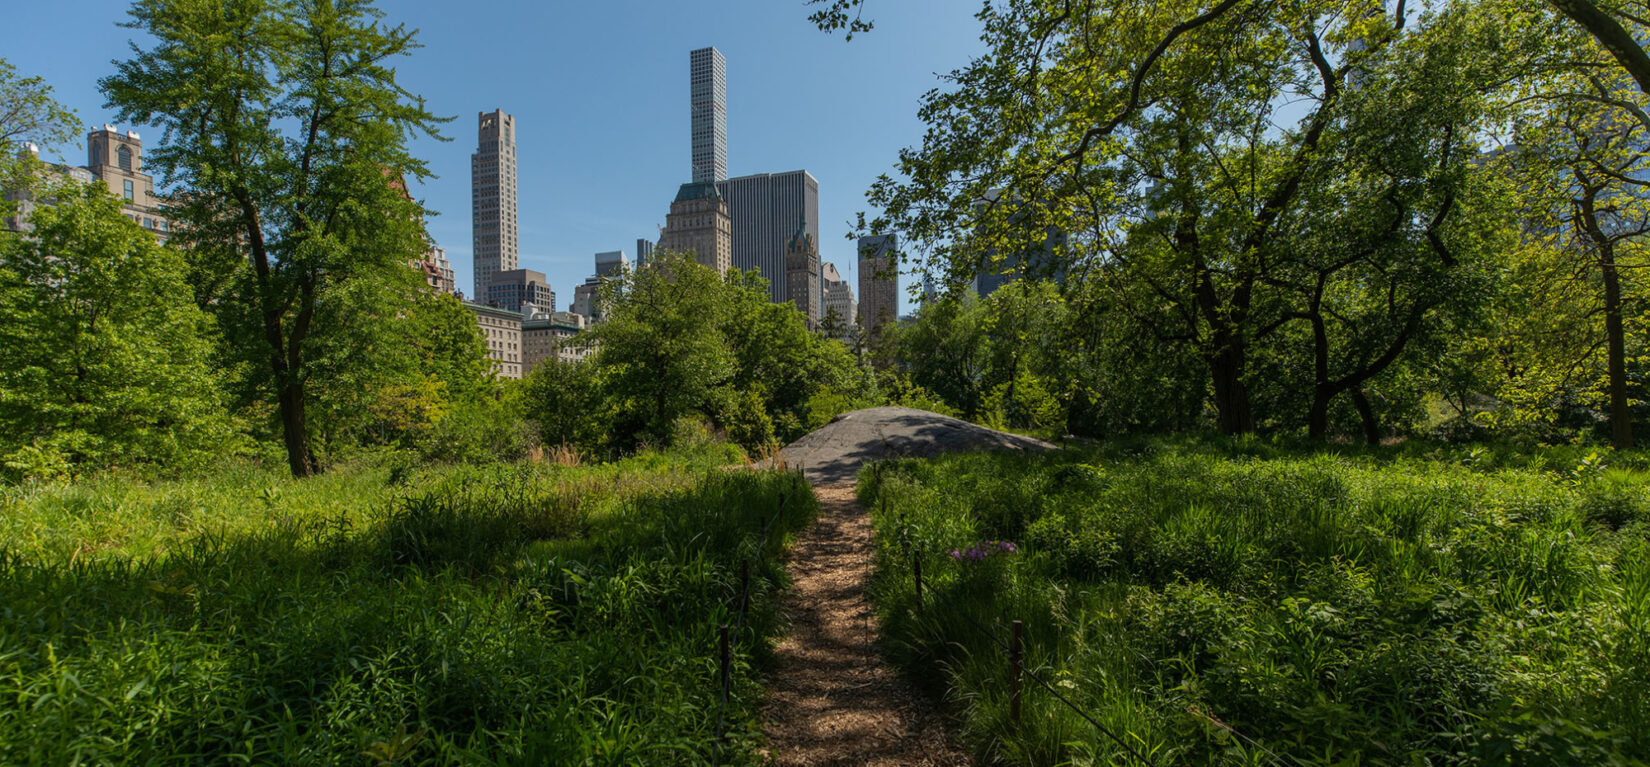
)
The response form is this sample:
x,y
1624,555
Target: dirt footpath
x,y
832,699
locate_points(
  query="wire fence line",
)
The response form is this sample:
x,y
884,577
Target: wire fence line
x,y
727,644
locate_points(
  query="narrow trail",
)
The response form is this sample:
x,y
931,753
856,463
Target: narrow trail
x,y
832,698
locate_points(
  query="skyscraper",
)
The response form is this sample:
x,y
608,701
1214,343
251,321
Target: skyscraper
x,y
839,298
644,251
878,281
698,224
515,288
707,77
765,208
802,275
611,263
493,227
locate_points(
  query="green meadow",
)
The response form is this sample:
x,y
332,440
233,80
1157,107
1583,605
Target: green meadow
x,y
502,614
1237,602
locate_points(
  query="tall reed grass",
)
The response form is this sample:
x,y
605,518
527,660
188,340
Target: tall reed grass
x,y
1225,602
512,614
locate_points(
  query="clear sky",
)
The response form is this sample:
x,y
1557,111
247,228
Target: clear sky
x,y
600,95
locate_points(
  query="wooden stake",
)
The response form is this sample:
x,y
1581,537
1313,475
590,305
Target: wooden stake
x,y
727,659
1014,657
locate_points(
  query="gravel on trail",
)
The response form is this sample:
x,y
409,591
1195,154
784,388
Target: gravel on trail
x,y
832,698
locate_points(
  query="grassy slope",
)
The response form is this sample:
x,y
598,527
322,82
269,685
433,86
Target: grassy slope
x,y
510,614
1390,606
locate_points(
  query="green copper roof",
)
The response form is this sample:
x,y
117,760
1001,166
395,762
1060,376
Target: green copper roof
x,y
698,190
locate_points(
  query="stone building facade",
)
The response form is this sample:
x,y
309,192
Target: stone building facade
x,y
553,335
839,297
437,271
115,157
802,276
698,225
502,329
516,288
878,282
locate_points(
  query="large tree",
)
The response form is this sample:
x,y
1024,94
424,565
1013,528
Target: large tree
x,y
1580,169
282,124
1225,171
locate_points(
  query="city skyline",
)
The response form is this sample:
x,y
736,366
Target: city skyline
x,y
603,146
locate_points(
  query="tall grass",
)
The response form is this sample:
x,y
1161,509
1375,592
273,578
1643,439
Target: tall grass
x,y
522,614
1219,603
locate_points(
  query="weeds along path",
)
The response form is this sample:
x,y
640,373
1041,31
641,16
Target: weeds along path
x,y
833,699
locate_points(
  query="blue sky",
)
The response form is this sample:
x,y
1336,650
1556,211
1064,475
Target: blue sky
x,y
600,94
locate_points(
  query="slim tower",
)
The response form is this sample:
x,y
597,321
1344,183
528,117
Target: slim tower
x,y
707,75
493,226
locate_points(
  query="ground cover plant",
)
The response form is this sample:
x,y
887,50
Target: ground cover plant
x,y
388,613
1238,602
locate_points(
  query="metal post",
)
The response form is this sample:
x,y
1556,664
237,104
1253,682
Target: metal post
x,y
1014,656
916,567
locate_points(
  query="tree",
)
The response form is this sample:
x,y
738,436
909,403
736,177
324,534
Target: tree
x,y
833,326
661,347
944,350
104,359
774,353
28,114
565,401
284,122
1580,166
1197,166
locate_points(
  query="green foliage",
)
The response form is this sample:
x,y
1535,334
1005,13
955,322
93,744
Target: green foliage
x,y
287,126
28,114
104,360
1225,602
662,354
680,341
503,614
565,402
478,430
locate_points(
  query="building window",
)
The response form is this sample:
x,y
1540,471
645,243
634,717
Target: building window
x,y
123,155
127,188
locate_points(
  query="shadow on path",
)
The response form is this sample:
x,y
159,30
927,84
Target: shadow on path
x,y
833,699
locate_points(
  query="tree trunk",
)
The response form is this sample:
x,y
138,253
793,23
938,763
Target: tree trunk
x,y
1231,395
1621,417
1372,427
1317,418
1615,337
294,430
